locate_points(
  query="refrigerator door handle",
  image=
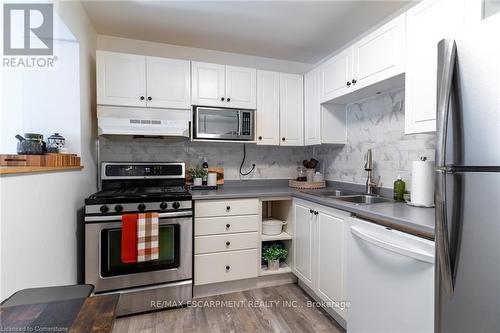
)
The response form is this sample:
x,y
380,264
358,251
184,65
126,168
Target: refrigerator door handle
x,y
442,238
446,66
445,95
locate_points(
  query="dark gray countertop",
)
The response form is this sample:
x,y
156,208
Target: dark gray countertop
x,y
400,216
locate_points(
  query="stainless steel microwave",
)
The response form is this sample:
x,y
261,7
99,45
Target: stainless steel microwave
x,y
223,124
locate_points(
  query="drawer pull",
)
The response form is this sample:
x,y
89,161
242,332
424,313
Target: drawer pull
x,y
228,208
228,267
228,226
228,243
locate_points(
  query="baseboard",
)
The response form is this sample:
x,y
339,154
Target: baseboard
x,y
241,285
341,321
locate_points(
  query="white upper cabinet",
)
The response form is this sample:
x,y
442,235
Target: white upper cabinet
x,y
380,55
336,75
372,60
168,83
121,79
241,87
208,84
291,109
312,108
426,24
268,108
223,86
134,80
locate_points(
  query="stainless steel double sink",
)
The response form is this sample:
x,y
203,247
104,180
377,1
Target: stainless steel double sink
x,y
349,196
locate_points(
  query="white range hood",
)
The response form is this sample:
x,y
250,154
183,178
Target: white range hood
x,y
143,122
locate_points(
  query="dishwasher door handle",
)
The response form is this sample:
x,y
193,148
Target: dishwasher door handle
x,y
406,251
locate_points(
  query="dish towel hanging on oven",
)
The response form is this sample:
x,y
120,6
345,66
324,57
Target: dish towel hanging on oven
x,y
147,237
139,237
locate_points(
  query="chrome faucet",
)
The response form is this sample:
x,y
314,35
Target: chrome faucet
x,y
371,185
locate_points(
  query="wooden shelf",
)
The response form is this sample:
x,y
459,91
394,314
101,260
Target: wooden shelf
x,y
283,236
284,268
10,170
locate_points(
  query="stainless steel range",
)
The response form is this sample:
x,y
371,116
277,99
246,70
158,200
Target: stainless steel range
x,y
133,188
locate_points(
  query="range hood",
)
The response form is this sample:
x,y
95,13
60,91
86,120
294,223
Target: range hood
x,y
143,122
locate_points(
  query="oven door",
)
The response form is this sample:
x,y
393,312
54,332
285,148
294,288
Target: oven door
x,y
105,270
223,124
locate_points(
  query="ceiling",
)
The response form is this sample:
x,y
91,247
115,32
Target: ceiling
x,y
304,31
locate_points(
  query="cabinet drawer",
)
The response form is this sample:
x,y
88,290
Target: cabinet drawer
x,y
225,266
208,208
229,242
225,225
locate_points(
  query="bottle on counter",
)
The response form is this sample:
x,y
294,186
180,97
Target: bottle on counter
x,y
399,189
204,179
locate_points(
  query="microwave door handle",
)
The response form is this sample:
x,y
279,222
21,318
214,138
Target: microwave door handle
x,y
239,115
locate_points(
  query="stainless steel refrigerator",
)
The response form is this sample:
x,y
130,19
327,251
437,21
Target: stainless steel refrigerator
x,y
468,182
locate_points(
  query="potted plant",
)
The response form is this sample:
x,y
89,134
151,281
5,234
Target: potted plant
x,y
197,173
273,254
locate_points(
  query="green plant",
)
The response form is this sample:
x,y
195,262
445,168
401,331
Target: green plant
x,y
274,252
197,172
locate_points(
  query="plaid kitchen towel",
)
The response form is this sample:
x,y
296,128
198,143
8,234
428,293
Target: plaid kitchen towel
x,y
147,237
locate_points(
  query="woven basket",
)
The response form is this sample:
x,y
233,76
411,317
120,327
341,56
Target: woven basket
x,y
306,185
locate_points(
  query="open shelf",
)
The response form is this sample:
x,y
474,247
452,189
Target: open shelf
x,y
284,268
283,236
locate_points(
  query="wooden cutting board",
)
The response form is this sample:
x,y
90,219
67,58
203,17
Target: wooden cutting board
x,y
48,160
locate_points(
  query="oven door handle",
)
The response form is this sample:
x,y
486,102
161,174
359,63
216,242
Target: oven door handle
x,y
119,217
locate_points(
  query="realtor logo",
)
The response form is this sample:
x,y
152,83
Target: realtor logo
x,y
28,29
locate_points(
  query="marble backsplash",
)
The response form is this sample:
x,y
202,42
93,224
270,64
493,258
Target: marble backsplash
x,y
271,162
376,123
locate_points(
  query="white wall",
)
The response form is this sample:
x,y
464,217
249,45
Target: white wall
x,y
38,212
125,45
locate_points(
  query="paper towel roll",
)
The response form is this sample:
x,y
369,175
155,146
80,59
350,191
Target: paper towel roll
x,y
422,183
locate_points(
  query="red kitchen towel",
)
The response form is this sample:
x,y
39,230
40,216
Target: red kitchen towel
x,y
129,238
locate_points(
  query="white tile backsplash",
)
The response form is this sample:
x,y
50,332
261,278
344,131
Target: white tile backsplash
x,y
377,123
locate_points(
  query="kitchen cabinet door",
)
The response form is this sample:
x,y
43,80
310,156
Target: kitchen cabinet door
x,y
331,258
208,84
291,110
336,75
241,87
268,108
121,79
312,108
426,24
168,83
303,244
380,55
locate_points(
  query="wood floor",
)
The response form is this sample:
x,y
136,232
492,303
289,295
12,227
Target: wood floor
x,y
274,309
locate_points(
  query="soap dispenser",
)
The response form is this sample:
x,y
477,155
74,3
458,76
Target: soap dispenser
x,y
399,189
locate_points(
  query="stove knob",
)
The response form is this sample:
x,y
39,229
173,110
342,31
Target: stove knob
x,y
118,208
104,209
176,205
163,206
141,207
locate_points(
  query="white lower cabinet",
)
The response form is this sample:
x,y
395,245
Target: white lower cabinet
x,y
225,266
303,245
320,252
226,242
